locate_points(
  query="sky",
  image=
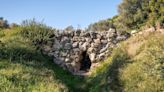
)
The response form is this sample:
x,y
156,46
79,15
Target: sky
x,y
59,13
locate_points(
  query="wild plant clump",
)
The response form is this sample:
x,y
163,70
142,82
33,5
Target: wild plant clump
x,y
37,32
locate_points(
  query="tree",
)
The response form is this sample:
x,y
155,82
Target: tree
x,y
3,23
130,12
102,25
156,12
136,13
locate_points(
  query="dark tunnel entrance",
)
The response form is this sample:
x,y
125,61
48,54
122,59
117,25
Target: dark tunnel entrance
x,y
85,62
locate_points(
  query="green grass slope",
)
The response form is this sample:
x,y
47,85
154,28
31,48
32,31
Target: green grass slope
x,y
23,68
137,65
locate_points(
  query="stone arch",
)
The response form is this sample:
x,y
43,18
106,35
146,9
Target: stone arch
x,y
85,62
78,50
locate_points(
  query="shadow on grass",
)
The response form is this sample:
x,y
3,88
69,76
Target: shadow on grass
x,y
108,80
119,59
25,56
103,82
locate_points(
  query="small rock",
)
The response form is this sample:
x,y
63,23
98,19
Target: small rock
x,y
103,50
56,45
65,40
92,57
84,46
57,61
75,45
55,55
152,29
121,38
111,33
101,56
161,30
88,40
67,60
68,46
93,35
104,41
109,80
97,41
75,39
91,50
133,31
95,45
98,36
63,54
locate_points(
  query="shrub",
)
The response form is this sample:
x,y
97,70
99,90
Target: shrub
x,y
37,32
3,23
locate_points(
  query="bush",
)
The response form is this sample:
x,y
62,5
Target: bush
x,y
37,32
3,23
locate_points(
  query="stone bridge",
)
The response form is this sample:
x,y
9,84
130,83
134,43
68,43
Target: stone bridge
x,y
76,51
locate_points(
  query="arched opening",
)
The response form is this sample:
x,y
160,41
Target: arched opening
x,y
85,62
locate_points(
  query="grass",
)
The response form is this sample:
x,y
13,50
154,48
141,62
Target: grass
x,y
140,69
146,73
23,68
135,66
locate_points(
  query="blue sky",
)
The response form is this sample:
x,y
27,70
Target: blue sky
x,y
59,13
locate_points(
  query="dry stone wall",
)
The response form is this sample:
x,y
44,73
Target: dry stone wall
x,y
70,46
